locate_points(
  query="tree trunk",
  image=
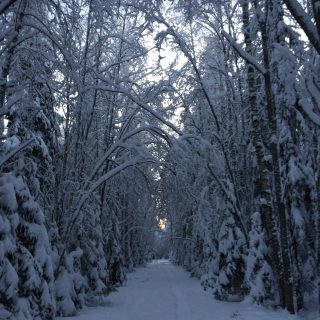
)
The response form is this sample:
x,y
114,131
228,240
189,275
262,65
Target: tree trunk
x,y
261,155
271,112
5,70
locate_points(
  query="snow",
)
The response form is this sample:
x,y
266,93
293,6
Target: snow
x,y
164,291
7,193
245,55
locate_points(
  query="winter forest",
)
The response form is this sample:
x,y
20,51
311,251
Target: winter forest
x,y
134,130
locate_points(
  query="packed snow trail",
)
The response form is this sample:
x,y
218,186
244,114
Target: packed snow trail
x,y
162,291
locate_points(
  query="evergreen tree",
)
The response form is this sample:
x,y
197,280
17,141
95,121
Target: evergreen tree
x,y
259,274
231,283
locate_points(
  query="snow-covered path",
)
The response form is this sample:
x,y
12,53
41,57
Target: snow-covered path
x,y
162,291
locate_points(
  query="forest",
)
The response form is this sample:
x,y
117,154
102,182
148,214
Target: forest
x,y
123,120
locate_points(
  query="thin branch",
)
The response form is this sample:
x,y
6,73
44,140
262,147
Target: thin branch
x,y
15,151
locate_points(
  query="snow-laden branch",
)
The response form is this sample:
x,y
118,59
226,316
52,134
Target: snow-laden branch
x,y
89,188
115,146
48,34
96,185
245,55
230,196
11,102
232,201
304,22
127,59
5,4
312,116
4,159
138,102
186,51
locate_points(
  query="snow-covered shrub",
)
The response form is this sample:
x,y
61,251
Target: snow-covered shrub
x,y
259,274
26,274
230,283
70,285
115,258
210,266
8,222
96,267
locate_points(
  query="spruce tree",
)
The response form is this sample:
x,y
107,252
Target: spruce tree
x,y
231,285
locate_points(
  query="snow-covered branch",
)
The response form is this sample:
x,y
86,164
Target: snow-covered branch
x,y
245,55
5,4
304,22
97,184
7,157
138,102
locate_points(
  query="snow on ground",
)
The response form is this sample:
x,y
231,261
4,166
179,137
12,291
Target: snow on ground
x,y
162,291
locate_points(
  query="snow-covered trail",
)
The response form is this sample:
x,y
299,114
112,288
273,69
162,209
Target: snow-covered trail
x,y
162,291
